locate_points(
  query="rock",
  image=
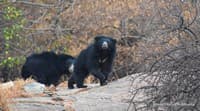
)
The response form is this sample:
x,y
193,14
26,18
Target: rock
x,y
36,104
114,96
34,88
37,107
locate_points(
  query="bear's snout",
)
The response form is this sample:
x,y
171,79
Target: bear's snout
x,y
71,68
105,45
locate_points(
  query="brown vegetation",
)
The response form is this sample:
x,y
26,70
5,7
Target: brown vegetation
x,y
9,92
153,36
3,100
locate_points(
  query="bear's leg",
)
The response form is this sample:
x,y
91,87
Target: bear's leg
x,y
100,76
103,82
71,82
106,70
43,80
79,82
53,80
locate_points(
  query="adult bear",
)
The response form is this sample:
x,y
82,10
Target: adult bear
x,y
47,67
96,59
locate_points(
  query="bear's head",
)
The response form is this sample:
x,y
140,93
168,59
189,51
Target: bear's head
x,y
67,62
104,43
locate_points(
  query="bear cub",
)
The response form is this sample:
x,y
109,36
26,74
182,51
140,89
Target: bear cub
x,y
96,59
47,67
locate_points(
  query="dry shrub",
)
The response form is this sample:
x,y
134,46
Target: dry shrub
x,y
90,79
174,53
17,90
4,100
62,84
9,92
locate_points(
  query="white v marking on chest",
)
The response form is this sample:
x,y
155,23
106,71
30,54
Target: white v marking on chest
x,y
103,61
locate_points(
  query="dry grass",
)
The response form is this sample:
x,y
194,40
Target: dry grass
x,y
6,93
17,90
4,100
90,79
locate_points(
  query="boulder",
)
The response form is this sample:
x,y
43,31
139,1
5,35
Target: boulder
x,y
34,88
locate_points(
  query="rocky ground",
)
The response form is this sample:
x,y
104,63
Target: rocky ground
x,y
113,97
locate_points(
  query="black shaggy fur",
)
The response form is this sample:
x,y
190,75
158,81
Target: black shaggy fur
x,y
96,59
47,67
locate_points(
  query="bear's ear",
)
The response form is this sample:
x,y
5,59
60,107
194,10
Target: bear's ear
x,y
97,38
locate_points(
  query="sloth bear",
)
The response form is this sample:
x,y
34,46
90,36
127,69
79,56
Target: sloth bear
x,y
47,67
96,59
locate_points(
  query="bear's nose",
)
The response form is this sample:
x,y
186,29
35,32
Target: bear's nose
x,y
105,45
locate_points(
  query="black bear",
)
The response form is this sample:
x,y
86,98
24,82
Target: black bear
x,y
47,67
96,59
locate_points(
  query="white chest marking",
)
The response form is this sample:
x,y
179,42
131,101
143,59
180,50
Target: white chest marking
x,y
103,61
